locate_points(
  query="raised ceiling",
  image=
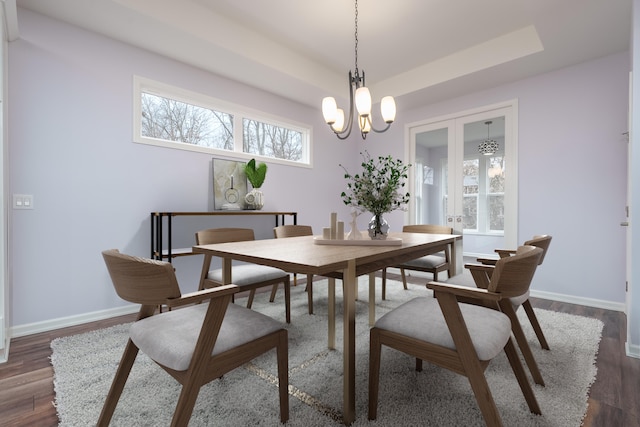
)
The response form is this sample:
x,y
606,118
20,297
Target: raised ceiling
x,y
417,50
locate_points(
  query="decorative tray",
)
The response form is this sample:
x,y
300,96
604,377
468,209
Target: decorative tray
x,y
390,241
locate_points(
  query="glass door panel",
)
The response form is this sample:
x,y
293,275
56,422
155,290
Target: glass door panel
x,y
465,177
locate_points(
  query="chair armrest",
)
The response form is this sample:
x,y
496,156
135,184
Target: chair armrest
x,y
464,291
481,274
505,252
480,267
487,261
199,296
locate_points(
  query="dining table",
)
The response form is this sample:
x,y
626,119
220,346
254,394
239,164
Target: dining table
x,y
314,255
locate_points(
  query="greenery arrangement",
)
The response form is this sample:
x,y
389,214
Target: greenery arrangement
x,y
378,188
255,174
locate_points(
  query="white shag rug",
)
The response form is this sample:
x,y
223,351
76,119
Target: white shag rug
x,y
84,366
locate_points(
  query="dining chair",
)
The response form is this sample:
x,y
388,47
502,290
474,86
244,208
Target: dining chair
x,y
434,263
541,241
248,277
479,275
294,230
461,337
200,339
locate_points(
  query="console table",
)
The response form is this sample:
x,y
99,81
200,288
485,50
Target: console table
x,y
159,218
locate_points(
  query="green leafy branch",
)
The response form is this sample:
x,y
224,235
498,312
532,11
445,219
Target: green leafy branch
x,y
379,187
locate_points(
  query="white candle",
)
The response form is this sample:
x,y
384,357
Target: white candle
x,y
334,225
340,231
326,233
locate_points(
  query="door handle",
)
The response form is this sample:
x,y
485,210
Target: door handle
x,y
624,223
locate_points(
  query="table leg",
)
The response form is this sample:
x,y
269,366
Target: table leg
x,y
453,266
349,337
332,313
372,299
226,271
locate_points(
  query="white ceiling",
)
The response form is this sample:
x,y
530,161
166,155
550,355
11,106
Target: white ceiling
x,y
411,49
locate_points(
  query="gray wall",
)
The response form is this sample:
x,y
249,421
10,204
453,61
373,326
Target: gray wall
x,y
70,145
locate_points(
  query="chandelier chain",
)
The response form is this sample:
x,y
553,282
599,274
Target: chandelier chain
x,y
356,36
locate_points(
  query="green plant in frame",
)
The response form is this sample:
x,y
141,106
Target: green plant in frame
x,y
255,174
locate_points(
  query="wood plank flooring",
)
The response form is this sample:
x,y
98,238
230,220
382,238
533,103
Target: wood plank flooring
x,y
26,379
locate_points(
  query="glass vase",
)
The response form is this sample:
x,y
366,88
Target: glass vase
x,y
378,227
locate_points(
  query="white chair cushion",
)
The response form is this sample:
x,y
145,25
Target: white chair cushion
x,y
429,261
466,279
170,338
248,274
421,318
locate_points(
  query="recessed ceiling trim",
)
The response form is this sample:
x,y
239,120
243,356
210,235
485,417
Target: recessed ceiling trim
x,y
500,50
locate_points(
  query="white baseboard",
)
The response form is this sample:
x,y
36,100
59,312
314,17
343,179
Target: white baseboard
x,y
50,325
589,302
571,299
632,350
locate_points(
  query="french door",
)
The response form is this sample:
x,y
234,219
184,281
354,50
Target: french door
x,y
465,177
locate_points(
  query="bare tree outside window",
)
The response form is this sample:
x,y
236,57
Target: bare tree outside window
x,y
268,140
171,120
496,193
173,117
470,191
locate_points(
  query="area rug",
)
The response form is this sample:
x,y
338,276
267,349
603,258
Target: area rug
x,y
84,366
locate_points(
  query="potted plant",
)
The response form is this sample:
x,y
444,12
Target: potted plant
x,y
256,175
377,189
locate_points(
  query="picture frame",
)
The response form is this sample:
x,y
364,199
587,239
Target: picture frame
x,y
229,185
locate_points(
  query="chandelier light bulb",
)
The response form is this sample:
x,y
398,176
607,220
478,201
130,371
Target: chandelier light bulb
x,y
388,109
339,123
363,101
365,124
329,110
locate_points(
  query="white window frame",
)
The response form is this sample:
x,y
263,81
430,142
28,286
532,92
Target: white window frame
x,y
239,112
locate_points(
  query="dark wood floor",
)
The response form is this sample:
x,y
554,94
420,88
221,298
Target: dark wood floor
x,y
26,380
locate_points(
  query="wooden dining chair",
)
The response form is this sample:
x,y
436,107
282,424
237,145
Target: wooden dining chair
x,y
248,277
479,275
541,241
461,337
200,339
434,263
294,230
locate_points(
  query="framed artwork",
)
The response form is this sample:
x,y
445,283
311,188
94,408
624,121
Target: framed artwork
x,y
229,185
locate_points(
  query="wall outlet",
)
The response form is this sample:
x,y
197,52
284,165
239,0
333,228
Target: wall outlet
x,y
22,201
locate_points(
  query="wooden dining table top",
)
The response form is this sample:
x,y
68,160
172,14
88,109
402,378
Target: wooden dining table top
x,y
303,255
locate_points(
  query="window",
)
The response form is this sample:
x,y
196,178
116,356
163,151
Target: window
x,y
483,194
172,117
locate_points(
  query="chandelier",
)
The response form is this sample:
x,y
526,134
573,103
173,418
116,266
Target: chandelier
x,y
334,116
488,146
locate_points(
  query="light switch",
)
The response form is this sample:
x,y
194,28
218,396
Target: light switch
x,y
22,201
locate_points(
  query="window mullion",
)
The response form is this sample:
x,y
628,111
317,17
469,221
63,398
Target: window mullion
x,y
238,134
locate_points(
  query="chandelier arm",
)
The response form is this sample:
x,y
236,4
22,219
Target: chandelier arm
x,y
349,122
368,119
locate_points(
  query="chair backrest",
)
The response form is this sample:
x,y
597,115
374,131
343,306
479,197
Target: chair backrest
x,y
428,229
512,276
542,241
224,235
140,280
292,231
